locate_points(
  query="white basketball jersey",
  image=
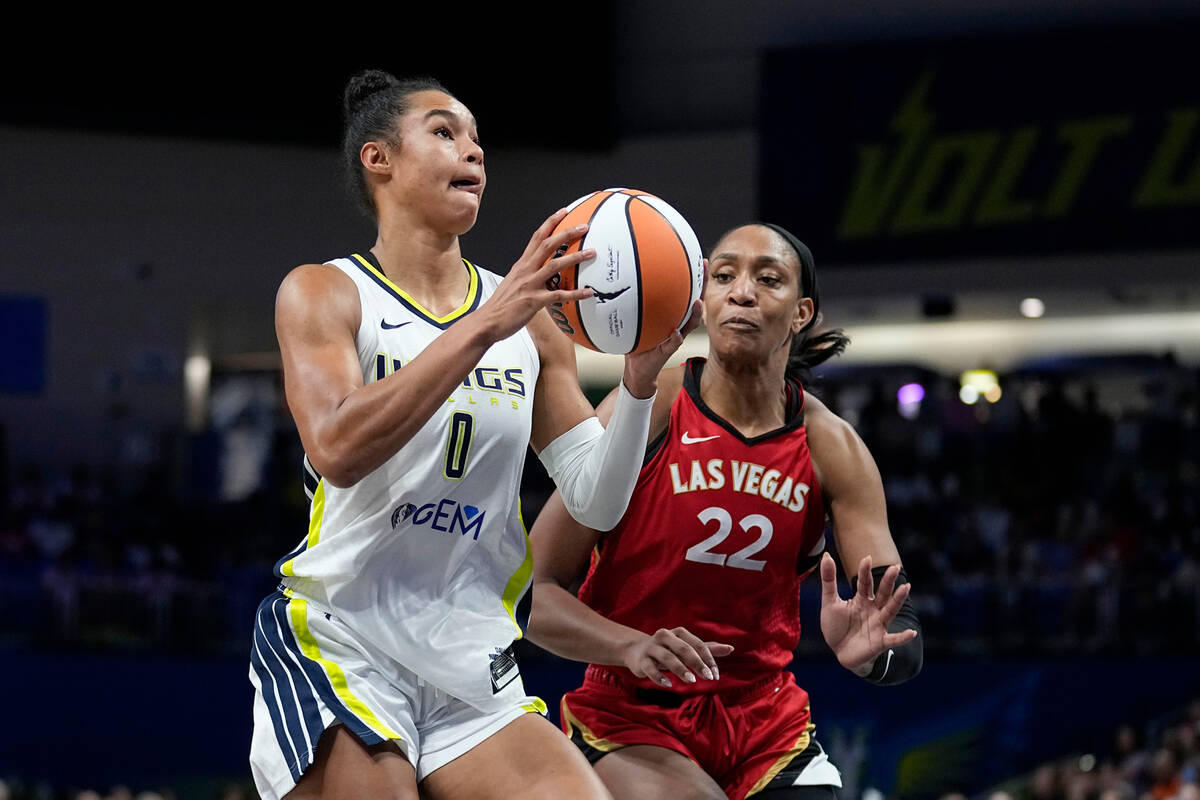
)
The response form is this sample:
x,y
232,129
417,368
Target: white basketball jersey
x,y
427,556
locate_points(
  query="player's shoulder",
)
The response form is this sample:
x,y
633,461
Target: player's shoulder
x,y
316,286
837,449
825,425
815,407
315,277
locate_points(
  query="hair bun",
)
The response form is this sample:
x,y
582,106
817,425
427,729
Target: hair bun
x,y
363,85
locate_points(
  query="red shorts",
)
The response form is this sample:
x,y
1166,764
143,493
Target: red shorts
x,y
747,739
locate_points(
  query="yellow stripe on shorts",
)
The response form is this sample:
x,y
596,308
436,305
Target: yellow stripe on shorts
x,y
799,747
538,706
590,739
298,609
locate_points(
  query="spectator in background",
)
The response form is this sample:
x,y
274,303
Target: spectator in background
x,y
1111,781
1078,784
1164,775
1189,751
232,792
1133,763
1044,785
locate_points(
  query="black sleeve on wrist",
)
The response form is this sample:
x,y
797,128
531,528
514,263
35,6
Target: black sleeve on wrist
x,y
898,664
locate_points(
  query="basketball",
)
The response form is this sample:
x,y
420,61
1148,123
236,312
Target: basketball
x,y
647,272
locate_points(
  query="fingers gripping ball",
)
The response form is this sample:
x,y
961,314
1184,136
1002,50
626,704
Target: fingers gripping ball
x,y
647,272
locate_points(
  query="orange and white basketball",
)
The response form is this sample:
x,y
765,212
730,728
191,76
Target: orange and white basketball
x,y
647,272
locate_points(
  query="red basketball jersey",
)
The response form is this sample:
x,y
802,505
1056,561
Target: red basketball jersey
x,y
719,533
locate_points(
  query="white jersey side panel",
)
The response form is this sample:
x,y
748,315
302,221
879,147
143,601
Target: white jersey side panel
x,y
427,556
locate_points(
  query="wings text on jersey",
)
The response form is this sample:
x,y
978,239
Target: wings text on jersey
x,y
497,380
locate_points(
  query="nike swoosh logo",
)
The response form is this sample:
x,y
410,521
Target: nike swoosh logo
x,y
689,440
384,324
887,665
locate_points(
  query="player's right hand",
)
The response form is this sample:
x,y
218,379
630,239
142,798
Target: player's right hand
x,y
524,290
677,651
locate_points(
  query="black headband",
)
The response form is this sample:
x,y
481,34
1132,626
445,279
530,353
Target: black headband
x,y
808,269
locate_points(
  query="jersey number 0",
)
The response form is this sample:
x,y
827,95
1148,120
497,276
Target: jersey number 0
x,y
458,444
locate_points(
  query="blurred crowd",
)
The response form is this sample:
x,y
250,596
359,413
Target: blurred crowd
x,y
1061,518
1157,761
127,556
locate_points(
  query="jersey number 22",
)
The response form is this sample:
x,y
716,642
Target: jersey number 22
x,y
703,553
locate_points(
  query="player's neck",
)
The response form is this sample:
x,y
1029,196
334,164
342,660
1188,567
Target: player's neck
x,y
426,265
753,401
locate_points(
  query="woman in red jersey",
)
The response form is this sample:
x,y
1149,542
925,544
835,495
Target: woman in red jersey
x,y
689,611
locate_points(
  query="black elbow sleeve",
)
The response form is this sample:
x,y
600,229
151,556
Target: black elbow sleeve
x,y
898,664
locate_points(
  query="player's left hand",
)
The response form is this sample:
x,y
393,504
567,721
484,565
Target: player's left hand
x,y
677,650
856,629
641,369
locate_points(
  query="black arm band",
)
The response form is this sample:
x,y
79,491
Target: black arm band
x,y
898,664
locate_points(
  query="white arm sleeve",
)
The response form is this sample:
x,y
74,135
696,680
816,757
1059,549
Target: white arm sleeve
x,y
595,468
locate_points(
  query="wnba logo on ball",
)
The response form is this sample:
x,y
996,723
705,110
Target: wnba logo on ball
x,y
556,309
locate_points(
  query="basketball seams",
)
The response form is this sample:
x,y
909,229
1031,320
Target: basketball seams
x,y
571,279
691,246
608,195
608,223
687,256
637,273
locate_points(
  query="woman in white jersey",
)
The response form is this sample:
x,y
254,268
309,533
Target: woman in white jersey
x,y
383,662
